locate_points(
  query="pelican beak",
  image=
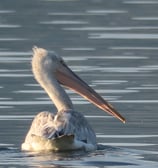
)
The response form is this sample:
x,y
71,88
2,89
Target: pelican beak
x,y
69,79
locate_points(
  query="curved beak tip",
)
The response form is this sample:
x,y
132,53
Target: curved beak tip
x,y
124,121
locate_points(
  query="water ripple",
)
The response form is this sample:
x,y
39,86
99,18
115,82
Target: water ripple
x,y
107,82
16,117
147,2
64,22
126,136
9,26
14,53
97,57
79,49
9,59
133,48
11,75
136,101
106,11
110,28
129,144
122,36
145,18
116,91
144,88
6,11
84,13
13,39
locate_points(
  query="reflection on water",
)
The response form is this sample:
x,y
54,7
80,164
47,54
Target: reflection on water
x,y
112,45
107,156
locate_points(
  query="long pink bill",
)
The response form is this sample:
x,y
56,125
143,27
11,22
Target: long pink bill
x,y
70,80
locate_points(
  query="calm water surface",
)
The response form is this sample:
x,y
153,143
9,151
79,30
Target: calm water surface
x,y
113,46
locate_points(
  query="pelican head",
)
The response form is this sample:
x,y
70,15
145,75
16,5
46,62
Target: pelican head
x,y
55,66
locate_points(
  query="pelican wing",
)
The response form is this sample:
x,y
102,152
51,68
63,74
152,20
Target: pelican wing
x,y
71,122
65,130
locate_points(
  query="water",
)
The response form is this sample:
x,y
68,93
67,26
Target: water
x,y
113,46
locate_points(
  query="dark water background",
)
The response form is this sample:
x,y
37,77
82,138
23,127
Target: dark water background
x,y
113,46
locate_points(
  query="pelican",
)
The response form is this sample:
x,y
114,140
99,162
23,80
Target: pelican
x,y
67,129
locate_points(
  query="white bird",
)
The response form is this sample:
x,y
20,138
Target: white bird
x,y
67,129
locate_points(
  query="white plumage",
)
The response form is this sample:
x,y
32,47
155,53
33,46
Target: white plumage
x,y
67,129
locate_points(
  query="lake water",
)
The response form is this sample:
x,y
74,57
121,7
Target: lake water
x,y
113,46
